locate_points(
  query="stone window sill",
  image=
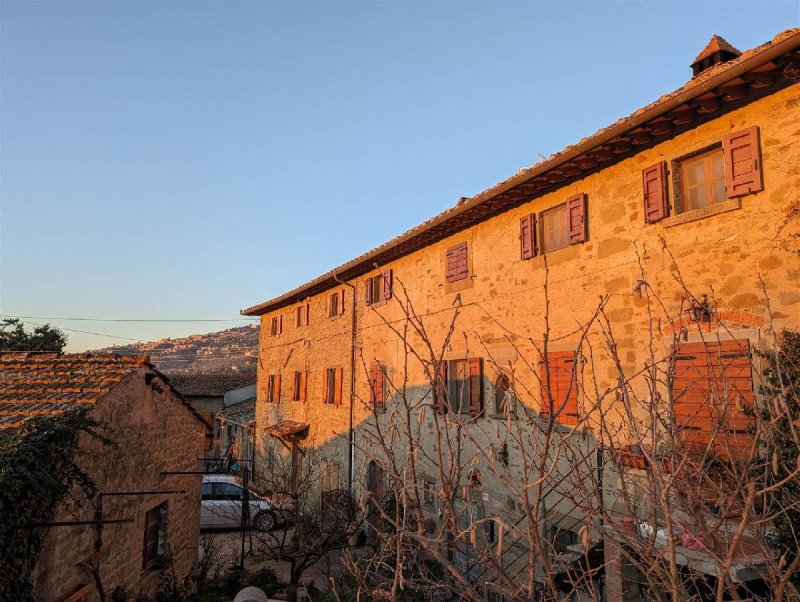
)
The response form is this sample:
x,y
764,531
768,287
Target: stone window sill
x,y
690,216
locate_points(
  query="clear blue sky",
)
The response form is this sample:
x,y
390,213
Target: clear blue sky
x,y
189,159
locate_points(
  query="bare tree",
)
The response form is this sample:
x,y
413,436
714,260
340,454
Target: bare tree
x,y
661,481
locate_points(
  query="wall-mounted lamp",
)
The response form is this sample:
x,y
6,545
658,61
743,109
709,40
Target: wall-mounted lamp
x,y
700,311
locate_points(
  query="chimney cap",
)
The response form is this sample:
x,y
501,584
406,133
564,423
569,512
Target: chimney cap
x,y
717,51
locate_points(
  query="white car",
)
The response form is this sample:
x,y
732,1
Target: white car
x,y
221,505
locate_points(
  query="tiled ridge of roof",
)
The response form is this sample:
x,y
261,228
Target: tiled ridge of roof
x,y
243,412
698,82
202,384
716,44
49,383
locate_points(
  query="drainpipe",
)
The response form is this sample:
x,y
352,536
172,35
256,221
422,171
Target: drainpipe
x,y
351,444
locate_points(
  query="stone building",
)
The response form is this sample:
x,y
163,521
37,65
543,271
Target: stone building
x,y
209,392
155,435
684,198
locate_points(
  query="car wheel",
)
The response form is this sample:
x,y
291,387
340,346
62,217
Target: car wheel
x,y
264,521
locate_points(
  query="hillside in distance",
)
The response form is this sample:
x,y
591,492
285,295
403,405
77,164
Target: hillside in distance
x,y
235,349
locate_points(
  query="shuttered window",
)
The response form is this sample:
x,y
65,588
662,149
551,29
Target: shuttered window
x,y
336,304
299,385
559,400
527,236
333,386
378,288
711,385
554,226
742,162
276,326
465,386
303,315
377,385
457,265
274,388
654,185
702,181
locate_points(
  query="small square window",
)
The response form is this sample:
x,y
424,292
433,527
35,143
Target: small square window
x,y
701,180
555,231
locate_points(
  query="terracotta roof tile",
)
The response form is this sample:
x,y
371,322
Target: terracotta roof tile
x,y
201,384
550,163
47,383
243,412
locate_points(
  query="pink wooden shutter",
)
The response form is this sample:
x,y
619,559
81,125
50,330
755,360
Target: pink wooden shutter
x,y
655,192
341,302
527,236
337,387
278,388
368,292
280,324
457,268
742,163
576,218
303,384
387,284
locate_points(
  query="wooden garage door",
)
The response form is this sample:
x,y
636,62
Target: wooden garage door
x,y
712,384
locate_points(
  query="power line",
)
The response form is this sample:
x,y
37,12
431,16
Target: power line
x,y
99,334
128,319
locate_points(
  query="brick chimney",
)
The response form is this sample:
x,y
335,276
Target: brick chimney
x,y
716,51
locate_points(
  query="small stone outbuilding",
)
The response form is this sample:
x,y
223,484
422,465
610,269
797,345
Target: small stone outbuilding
x,y
144,478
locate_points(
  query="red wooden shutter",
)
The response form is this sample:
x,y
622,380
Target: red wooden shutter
x,y
387,284
326,385
742,163
308,313
711,385
337,387
278,388
299,316
341,302
280,324
457,268
368,292
655,192
380,384
475,374
527,236
576,219
563,386
303,384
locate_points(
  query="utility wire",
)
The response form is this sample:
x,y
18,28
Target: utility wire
x,y
126,319
99,334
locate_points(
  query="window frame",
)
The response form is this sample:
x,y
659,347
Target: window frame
x,y
156,522
560,208
677,166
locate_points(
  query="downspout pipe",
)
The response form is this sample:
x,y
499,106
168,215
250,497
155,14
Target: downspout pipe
x,y
351,444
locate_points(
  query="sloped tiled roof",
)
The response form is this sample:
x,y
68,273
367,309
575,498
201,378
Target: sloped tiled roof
x,y
555,171
200,384
34,384
716,44
243,413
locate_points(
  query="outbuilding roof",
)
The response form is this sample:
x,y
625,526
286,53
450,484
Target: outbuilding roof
x,y
243,413
721,88
34,384
213,384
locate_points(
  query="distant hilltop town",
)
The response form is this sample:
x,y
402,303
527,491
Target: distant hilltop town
x,y
235,349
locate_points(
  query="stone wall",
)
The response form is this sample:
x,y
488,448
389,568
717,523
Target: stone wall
x,y
503,304
152,431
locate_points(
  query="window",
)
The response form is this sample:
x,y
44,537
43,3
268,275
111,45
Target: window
x,y
303,315
332,386
378,288
504,401
702,181
276,326
554,228
465,387
299,386
377,385
457,263
336,304
712,385
559,387
274,388
207,495
155,536
227,491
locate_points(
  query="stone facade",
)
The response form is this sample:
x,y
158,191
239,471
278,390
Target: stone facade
x,y
726,251
153,431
